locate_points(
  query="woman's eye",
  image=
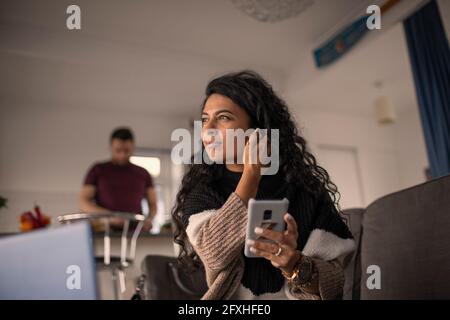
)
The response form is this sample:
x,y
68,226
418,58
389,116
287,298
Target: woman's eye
x,y
224,117
204,120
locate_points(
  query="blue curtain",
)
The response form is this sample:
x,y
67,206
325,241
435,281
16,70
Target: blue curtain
x,y
429,53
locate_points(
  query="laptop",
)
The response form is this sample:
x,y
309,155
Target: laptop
x,y
55,263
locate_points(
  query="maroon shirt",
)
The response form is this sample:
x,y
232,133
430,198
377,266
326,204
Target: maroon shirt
x,y
119,187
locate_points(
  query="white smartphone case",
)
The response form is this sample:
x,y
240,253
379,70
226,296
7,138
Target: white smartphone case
x,y
256,213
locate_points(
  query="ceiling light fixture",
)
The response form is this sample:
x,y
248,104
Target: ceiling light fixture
x,y
272,10
384,107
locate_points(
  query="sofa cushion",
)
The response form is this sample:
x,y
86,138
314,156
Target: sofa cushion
x,y
352,263
406,234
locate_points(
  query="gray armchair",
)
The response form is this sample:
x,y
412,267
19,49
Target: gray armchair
x,y
407,235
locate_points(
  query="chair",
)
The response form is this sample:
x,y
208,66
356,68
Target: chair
x,y
352,263
117,264
406,235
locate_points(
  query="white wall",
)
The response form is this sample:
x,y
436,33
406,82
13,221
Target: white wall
x,y
375,147
390,157
444,8
335,107
411,150
46,151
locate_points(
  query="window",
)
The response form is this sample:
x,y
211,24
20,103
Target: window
x,y
151,164
166,178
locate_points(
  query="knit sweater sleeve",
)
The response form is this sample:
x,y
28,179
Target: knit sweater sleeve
x,y
328,242
218,235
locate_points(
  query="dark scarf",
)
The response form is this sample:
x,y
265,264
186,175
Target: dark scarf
x,y
260,276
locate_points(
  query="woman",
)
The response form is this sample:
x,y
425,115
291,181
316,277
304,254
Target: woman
x,y
211,207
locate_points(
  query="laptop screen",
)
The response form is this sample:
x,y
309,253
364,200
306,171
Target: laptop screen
x,y
56,263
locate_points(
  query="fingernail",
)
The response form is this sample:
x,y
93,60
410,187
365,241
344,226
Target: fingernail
x,y
252,249
258,230
290,217
250,242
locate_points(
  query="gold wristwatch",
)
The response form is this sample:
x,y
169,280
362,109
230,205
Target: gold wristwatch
x,y
303,274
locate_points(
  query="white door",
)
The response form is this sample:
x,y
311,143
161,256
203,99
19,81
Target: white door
x,y
342,165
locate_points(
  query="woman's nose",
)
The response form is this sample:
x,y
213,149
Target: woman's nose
x,y
209,124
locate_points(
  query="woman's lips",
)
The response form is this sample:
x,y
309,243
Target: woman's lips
x,y
212,144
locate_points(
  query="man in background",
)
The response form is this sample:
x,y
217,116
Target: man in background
x,y
117,184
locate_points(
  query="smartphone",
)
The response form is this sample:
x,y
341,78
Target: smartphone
x,y
264,214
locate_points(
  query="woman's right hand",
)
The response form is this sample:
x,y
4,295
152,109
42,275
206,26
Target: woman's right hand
x,y
256,145
248,185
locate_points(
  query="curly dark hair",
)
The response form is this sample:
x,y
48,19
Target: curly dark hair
x,y
266,110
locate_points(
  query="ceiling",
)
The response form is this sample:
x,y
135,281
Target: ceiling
x,y
158,55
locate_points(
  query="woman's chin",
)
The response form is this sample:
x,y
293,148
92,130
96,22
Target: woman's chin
x,y
220,157
214,156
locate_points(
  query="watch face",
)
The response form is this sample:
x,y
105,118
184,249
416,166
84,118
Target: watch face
x,y
305,270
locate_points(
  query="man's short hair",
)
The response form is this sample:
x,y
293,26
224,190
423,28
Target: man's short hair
x,y
122,134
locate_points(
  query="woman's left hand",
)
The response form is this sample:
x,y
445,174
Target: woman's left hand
x,y
283,253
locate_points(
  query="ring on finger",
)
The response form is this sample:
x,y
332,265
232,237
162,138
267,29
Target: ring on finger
x,y
279,251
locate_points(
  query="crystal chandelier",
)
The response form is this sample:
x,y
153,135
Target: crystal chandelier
x,y
272,10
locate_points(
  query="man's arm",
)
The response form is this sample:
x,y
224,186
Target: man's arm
x,y
87,200
151,198
88,205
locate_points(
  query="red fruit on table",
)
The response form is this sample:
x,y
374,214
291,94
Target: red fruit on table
x,y
38,212
26,226
30,221
27,216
